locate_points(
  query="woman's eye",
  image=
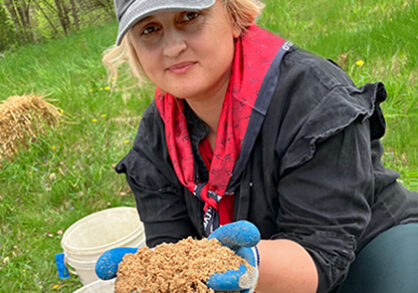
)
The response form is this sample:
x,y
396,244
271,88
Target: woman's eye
x,y
189,16
149,30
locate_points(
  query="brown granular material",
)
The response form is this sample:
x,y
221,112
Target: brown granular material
x,y
182,267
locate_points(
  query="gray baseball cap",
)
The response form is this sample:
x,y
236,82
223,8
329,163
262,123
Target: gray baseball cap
x,y
129,12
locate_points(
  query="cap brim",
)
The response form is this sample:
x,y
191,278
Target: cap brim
x,y
140,9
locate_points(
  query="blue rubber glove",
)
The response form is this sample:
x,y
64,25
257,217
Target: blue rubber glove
x,y
108,262
242,237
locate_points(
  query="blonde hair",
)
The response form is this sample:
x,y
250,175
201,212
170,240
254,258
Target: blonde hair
x,y
243,13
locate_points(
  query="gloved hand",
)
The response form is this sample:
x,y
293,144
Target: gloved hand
x,y
242,237
108,262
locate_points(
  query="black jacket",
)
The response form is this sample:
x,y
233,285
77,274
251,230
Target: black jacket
x,y
314,175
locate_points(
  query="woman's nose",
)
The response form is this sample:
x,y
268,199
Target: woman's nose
x,y
174,44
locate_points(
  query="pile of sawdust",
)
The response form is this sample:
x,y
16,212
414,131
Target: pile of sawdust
x,y
181,267
23,118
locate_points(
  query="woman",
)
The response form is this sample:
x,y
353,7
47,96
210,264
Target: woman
x,y
245,126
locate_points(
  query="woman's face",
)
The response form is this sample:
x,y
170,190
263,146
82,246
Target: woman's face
x,y
187,53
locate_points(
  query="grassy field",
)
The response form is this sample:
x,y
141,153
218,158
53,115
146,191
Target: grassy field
x,y
67,174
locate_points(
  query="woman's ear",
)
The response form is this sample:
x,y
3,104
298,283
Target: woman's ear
x,y
236,30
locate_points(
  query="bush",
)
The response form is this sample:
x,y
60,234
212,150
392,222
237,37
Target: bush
x,y
8,36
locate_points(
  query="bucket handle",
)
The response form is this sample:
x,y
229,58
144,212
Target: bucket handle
x,y
61,268
70,269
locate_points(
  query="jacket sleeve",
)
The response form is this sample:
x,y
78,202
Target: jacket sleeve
x,y
326,185
325,203
159,196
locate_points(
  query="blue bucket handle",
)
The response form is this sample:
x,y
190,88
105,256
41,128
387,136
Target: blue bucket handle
x,y
61,268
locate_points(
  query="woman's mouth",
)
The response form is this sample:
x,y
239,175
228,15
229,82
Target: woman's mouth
x,y
181,68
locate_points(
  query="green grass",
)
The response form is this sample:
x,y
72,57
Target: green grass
x,y
67,174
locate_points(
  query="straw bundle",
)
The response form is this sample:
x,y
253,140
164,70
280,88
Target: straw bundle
x,y
22,119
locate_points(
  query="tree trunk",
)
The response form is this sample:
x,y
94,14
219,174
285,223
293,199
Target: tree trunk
x,y
62,16
11,8
75,14
27,19
51,24
20,12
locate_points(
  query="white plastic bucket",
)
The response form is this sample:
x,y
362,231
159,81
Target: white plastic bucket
x,y
86,240
98,287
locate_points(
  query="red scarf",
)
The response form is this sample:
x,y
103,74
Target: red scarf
x,y
254,53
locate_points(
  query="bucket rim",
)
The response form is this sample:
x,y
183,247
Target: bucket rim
x,y
91,250
74,256
84,263
110,282
95,249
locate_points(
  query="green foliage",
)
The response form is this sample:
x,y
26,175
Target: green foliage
x,y
8,36
68,173
49,19
42,27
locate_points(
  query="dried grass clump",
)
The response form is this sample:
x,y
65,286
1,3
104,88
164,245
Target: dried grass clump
x,y
181,267
22,119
